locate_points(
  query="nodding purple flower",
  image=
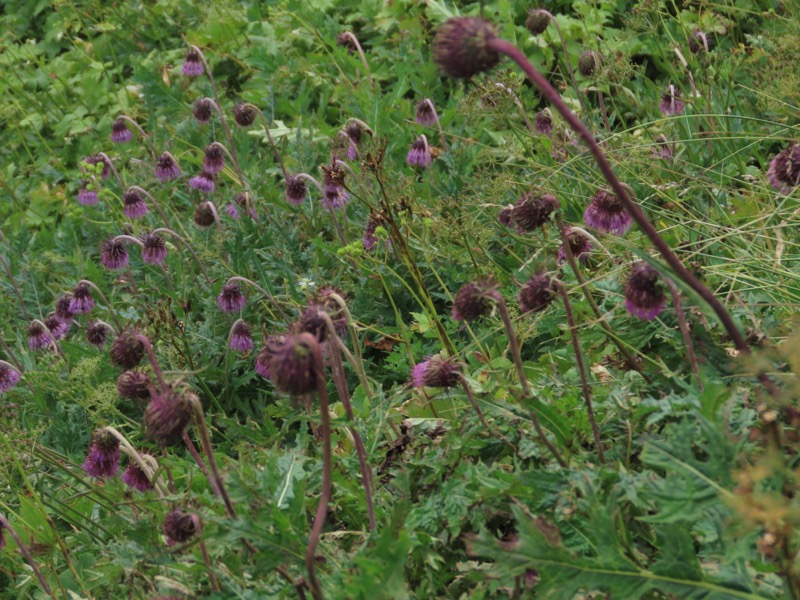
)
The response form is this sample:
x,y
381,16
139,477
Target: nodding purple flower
x,y
113,254
323,299
606,213
505,215
154,249
461,47
352,150
204,215
531,212
346,40
663,149
192,65
97,159
127,350
296,190
333,193
135,478
369,239
82,300
293,368
241,340
134,205
244,114
58,328
203,182
232,211
784,170
264,358
644,295
698,42
425,113
86,196
420,153
476,299
579,244
120,132
97,334
214,158
538,21
202,110
102,460
62,310
38,336
436,372
9,377
180,527
537,294
134,385
670,104
168,413
231,299
167,168
543,122
313,321
588,62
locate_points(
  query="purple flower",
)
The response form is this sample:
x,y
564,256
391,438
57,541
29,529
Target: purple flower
x,y
134,205
167,168
192,65
97,334
102,460
244,114
333,193
82,300
347,40
38,336
9,377
154,249
538,20
135,478
180,527
203,182
204,215
294,368
113,254
531,212
644,295
663,149
543,122
420,154
296,190
97,159
264,358
62,309
168,413
369,240
505,215
232,211
127,350
58,328
134,385
476,299
461,47
202,110
86,196
240,339
231,298
606,213
670,104
425,113
579,244
120,132
537,294
436,372
214,158
784,170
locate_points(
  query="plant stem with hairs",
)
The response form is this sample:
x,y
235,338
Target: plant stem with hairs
x,y
26,553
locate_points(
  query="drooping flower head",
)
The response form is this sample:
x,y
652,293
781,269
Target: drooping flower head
x,y
531,211
644,294
784,170
324,299
347,40
333,193
97,334
425,113
241,339
134,385
120,132
204,215
154,249
134,205
167,168
420,153
168,413
57,328
670,104
476,299
214,158
62,310
436,372
202,110
264,358
113,254
698,42
505,215
461,47
606,213
231,299
663,148
127,350
102,460
369,239
538,20
82,300
579,244
355,130
313,321
293,367
203,182
38,336
135,478
192,64
588,63
244,114
99,159
9,376
543,122
179,526
296,189
537,294
87,195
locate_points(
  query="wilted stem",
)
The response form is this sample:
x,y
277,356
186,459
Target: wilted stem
x,y
26,553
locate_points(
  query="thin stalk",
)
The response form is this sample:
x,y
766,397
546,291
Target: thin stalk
x,y
209,567
133,455
327,469
11,355
260,289
275,153
358,363
587,396
148,347
567,59
468,391
343,165
349,35
189,248
201,465
684,327
16,288
113,314
504,47
113,170
215,213
523,379
26,553
136,188
229,137
168,471
603,113
207,68
142,134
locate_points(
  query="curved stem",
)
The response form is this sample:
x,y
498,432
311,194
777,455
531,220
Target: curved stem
x,y
209,567
108,304
260,289
53,341
358,363
587,397
349,35
129,238
275,153
229,137
148,347
11,355
343,165
215,213
687,336
208,69
142,134
113,170
188,247
523,380
136,188
133,455
200,464
504,47
313,180
471,397
26,553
